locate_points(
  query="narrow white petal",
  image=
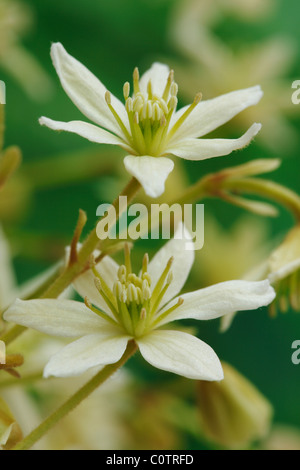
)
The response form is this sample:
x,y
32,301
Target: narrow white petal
x,y
210,114
55,317
201,149
84,353
151,172
221,299
86,91
85,285
86,130
181,249
158,74
182,354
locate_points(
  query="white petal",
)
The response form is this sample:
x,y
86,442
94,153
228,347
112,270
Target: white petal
x,y
85,285
221,299
211,114
55,317
182,354
89,351
200,149
180,248
151,172
158,74
86,91
86,130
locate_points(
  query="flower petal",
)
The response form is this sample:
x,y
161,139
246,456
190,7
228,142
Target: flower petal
x,y
55,317
183,260
182,354
151,172
200,149
86,130
85,285
84,353
221,299
210,114
86,91
158,74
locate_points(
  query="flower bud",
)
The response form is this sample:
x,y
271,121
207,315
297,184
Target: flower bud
x,y
233,412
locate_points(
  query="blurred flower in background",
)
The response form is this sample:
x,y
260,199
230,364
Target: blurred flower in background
x,y
219,65
233,412
16,20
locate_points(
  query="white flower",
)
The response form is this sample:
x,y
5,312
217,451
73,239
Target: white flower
x,y
121,306
148,126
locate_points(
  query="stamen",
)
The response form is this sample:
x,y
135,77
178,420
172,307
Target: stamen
x,y
149,90
159,285
174,89
147,277
146,290
140,327
132,295
136,79
187,112
116,116
155,307
167,312
127,258
122,273
145,263
99,312
104,287
126,90
108,301
168,85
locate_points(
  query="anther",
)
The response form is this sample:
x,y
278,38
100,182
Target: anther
x,y
174,89
198,98
87,303
122,273
126,90
145,263
168,85
132,294
149,90
136,78
143,314
146,290
129,105
173,101
108,97
97,283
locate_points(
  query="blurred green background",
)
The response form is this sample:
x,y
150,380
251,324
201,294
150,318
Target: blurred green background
x,y
111,38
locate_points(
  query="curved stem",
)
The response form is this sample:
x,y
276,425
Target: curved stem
x,y
76,399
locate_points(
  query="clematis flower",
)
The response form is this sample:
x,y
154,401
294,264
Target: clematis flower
x,y
148,126
121,306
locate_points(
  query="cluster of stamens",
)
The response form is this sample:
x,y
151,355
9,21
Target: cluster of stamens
x,y
134,302
150,115
287,294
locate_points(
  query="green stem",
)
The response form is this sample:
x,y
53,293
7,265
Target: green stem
x,y
76,399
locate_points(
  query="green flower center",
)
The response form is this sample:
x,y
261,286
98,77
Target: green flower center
x,y
134,302
150,115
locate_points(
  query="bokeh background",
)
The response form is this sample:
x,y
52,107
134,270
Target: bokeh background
x,y
226,46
